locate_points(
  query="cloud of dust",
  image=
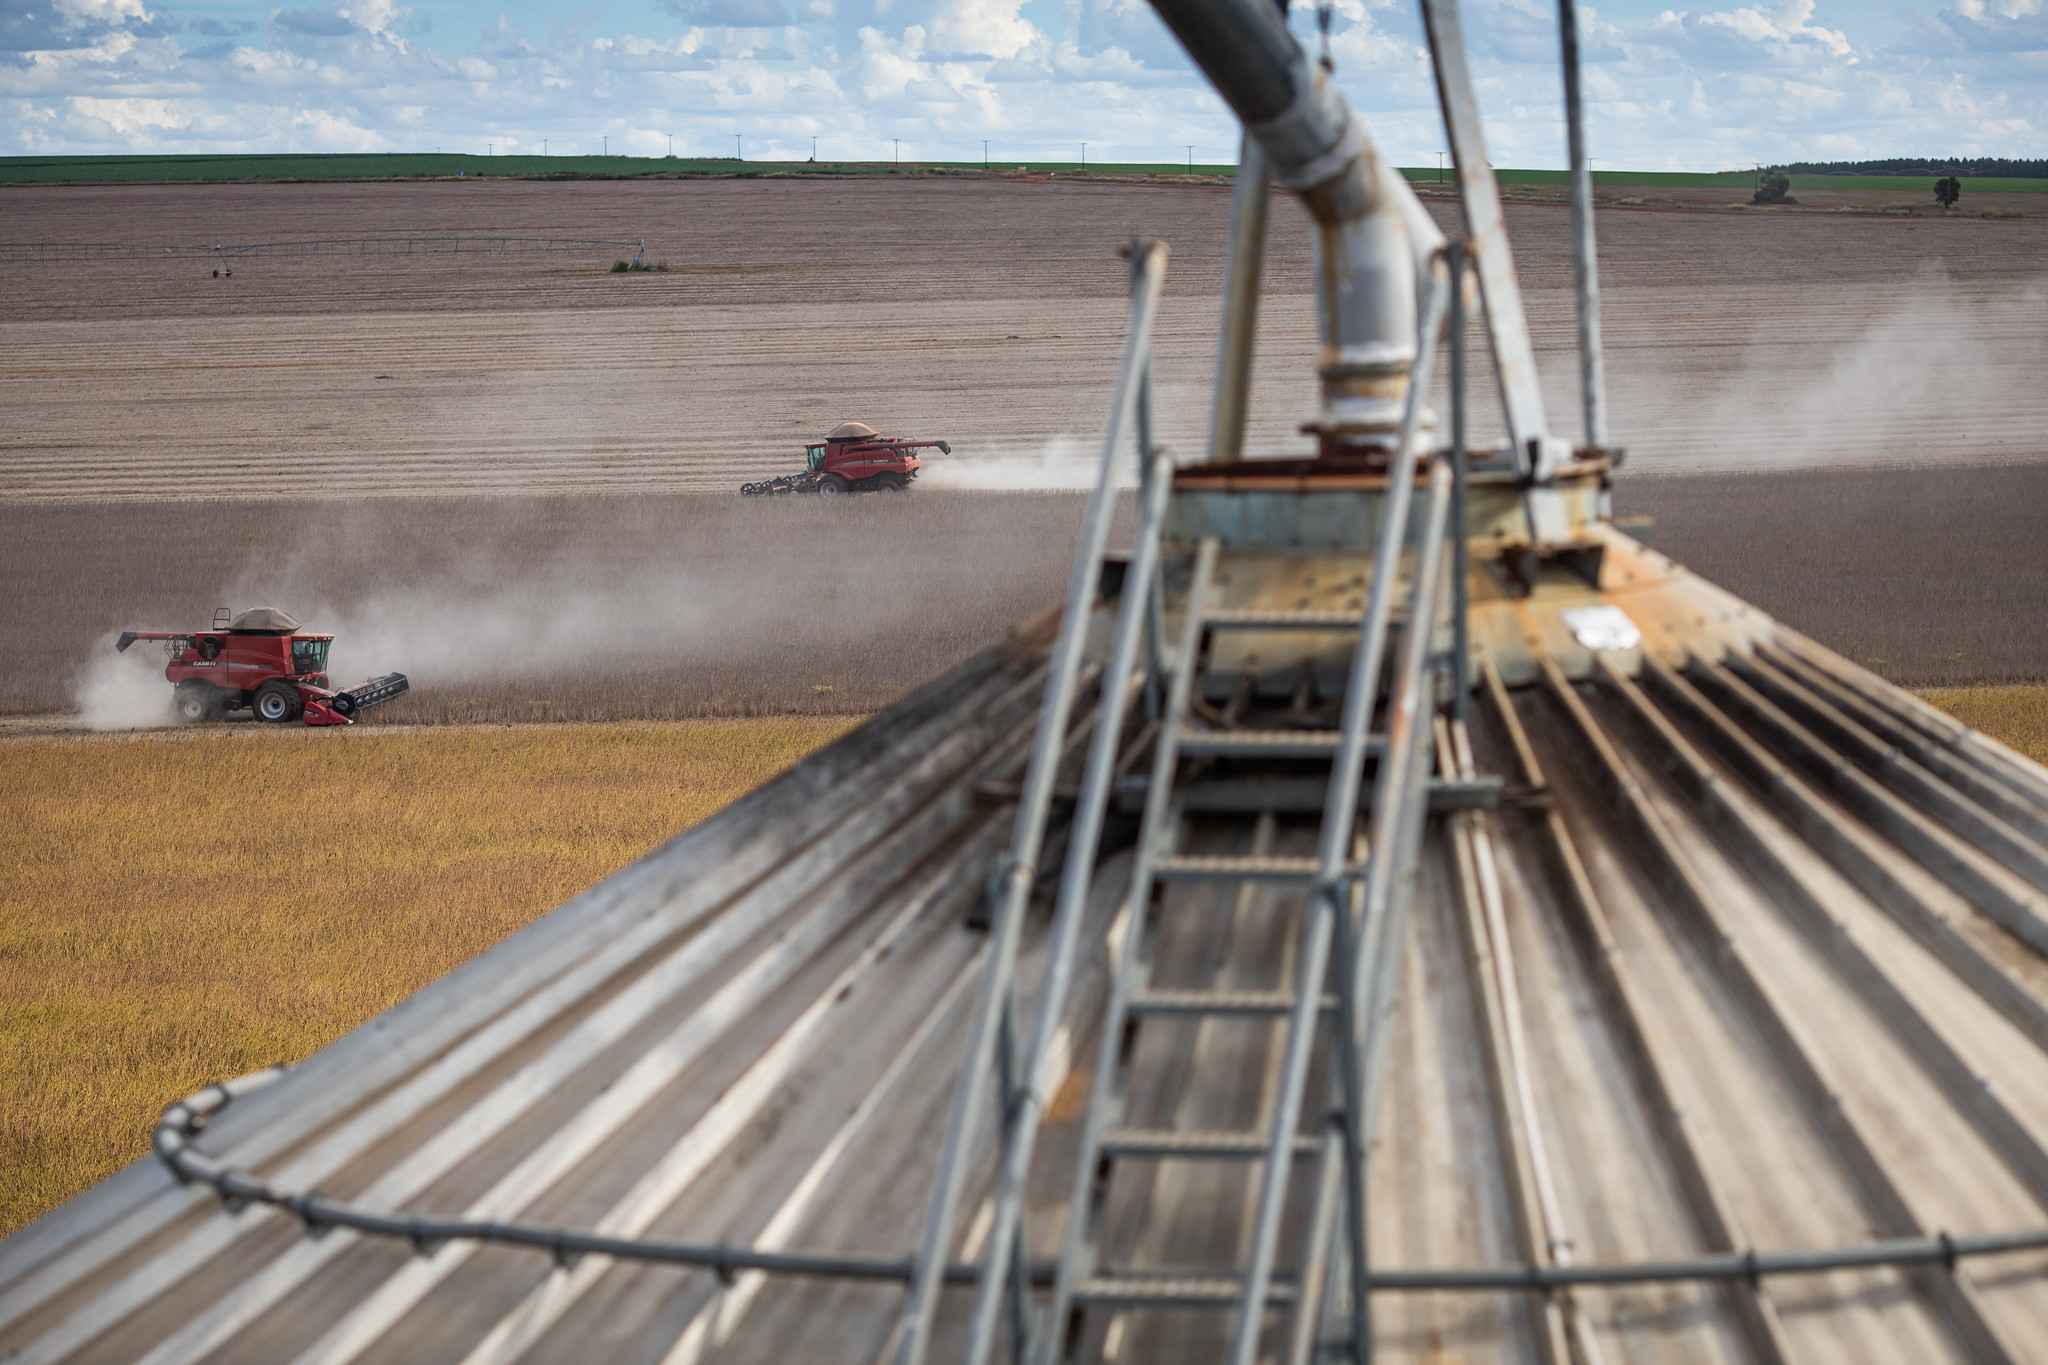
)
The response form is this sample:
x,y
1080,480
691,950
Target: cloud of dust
x,y
1927,377
125,691
1062,463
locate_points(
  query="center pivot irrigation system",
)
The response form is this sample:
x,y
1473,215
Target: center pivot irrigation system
x,y
1415,919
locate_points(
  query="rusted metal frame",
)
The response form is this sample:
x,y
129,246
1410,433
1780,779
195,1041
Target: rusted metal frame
x,y
1155,839
1148,266
1249,199
1653,1064
1026,1106
2028,818
1849,849
1880,1196
1888,765
1995,760
1934,846
1538,1213
696,875
1971,1092
1514,357
1585,260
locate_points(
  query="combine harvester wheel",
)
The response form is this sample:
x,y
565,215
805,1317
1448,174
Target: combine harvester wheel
x,y
277,702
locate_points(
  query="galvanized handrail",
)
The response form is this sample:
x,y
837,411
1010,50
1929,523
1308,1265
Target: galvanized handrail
x,y
1148,268
171,1140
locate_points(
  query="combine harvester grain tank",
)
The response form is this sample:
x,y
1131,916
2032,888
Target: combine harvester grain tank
x,y
1421,922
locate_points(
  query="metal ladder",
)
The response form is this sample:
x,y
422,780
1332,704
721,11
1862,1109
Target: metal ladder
x,y
1333,934
1352,904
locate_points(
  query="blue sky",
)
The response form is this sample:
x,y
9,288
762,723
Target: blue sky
x,y
1707,86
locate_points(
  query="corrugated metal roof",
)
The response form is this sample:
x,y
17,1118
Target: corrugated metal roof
x,y
1755,962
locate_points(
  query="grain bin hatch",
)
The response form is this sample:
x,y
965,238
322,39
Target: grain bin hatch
x,y
264,621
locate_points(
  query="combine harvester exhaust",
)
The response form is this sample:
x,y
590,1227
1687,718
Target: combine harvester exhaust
x,y
1419,919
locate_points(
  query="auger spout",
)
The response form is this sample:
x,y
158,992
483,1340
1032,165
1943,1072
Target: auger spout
x,y
1373,237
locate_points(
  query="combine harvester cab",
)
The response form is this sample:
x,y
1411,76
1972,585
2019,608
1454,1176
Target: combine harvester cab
x,y
261,662
854,458
1528,952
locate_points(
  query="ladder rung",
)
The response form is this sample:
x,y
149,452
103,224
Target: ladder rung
x,y
1221,1144
1205,867
1253,618
1252,795
1268,743
1217,1002
1186,1291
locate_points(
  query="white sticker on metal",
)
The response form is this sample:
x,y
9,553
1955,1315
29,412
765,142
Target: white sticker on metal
x,y
1600,628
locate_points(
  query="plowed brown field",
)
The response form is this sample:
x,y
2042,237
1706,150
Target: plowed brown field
x,y
985,312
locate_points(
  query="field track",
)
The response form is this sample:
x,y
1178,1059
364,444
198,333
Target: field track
x,y
985,312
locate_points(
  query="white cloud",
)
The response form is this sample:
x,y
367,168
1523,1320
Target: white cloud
x,y
1703,84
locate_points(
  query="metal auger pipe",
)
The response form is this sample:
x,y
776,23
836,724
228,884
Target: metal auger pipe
x,y
1365,220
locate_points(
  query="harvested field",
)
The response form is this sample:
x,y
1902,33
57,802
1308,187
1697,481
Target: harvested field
x,y
602,608
1735,340
506,609
1927,576
159,932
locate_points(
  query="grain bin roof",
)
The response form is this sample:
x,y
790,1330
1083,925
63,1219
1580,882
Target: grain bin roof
x,y
1757,971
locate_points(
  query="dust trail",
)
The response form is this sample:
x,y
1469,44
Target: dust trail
x,y
1069,463
125,691
1826,379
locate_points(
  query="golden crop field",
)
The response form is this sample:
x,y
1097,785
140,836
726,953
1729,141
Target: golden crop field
x,y
187,907
177,909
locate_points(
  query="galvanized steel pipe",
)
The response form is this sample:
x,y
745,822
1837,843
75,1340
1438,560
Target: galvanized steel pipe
x,y
1366,258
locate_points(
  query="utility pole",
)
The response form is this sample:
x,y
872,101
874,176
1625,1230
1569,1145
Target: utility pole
x,y
1084,156
1191,157
814,148
543,146
899,149
607,144
984,153
490,149
671,146
737,155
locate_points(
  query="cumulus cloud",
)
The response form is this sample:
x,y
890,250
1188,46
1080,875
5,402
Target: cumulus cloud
x,y
1697,84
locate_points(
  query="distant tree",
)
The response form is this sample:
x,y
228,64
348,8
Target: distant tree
x,y
1772,187
1947,190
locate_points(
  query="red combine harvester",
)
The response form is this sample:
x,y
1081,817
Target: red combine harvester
x,y
854,458
260,660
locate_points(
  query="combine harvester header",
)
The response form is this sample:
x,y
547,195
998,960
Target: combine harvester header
x,y
1420,921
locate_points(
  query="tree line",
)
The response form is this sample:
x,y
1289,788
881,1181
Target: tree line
x,y
1992,167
